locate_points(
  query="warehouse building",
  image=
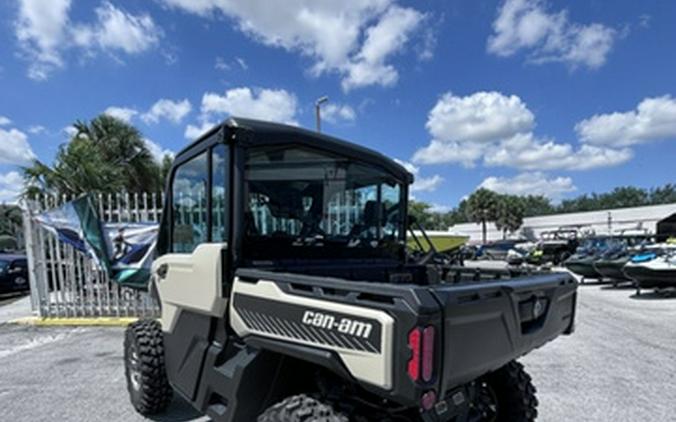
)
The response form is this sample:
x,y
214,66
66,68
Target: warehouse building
x,y
611,221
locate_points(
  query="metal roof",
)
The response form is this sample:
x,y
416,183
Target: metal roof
x,y
268,133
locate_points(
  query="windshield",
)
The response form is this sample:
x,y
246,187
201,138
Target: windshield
x,y
306,204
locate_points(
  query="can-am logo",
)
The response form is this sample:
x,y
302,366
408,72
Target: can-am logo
x,y
342,325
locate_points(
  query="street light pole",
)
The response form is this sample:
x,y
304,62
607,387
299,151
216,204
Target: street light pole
x,y
318,105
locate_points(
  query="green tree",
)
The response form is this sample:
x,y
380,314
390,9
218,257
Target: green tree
x,y
105,155
10,226
509,214
482,208
421,212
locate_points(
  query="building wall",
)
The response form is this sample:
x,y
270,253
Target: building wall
x,y
601,222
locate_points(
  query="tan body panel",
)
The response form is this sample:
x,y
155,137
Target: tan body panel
x,y
192,281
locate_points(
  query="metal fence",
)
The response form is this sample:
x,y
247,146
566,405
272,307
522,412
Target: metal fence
x,y
66,282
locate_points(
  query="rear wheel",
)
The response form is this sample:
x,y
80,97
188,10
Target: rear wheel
x,y
302,408
147,381
506,395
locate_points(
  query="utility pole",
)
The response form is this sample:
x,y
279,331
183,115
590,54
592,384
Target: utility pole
x,y
318,105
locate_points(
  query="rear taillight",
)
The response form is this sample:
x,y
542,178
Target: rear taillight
x,y
428,354
421,363
414,339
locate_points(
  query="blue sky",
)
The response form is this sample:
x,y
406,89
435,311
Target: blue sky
x,y
522,96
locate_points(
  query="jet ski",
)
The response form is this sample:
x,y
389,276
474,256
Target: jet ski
x,y
620,251
653,269
582,262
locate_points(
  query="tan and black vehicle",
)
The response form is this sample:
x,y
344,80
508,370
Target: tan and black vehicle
x,y
288,294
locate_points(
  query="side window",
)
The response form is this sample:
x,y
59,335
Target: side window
x,y
189,204
219,200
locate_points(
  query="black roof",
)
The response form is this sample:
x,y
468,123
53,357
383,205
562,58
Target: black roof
x,y
267,133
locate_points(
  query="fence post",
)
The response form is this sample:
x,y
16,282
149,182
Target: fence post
x,y
30,254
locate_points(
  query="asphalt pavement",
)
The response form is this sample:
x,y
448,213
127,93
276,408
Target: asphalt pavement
x,y
620,365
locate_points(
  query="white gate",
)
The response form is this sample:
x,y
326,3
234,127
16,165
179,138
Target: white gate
x,y
66,283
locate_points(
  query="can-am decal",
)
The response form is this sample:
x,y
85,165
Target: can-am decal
x,y
342,325
317,326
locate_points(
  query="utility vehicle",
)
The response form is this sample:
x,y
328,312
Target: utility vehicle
x,y
287,294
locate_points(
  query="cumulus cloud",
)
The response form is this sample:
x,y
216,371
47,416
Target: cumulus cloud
x,y
11,184
528,25
157,151
336,113
173,111
421,184
498,129
117,30
45,32
14,148
480,117
353,38
4,121
122,113
535,183
277,105
653,119
526,152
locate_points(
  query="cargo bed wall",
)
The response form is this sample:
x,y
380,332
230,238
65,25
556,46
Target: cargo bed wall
x,y
486,325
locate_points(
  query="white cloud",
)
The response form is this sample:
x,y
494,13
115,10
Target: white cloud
x,y
4,121
480,117
354,38
174,111
526,152
438,152
122,113
336,113
242,63
10,187
653,119
549,36
193,132
421,184
499,129
275,105
14,148
69,131
157,151
44,32
535,183
40,31
387,37
36,129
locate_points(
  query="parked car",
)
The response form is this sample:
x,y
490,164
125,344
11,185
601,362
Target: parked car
x,y
13,273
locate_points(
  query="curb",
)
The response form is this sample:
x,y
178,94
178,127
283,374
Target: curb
x,y
74,322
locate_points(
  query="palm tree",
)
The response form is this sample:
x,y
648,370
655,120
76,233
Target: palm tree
x,y
482,208
509,214
105,155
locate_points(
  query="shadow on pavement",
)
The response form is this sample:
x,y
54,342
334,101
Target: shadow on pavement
x,y
654,296
179,411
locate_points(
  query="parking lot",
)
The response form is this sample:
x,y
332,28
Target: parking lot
x,y
618,366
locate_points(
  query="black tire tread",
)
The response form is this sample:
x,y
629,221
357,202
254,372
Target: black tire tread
x,y
515,393
156,392
301,408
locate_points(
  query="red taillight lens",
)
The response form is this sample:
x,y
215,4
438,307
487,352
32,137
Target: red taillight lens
x,y
414,340
421,364
428,353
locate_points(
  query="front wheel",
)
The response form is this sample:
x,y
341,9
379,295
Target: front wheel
x,y
506,395
302,408
147,382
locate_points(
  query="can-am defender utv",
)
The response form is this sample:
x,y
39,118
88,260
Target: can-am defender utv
x,y
287,295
